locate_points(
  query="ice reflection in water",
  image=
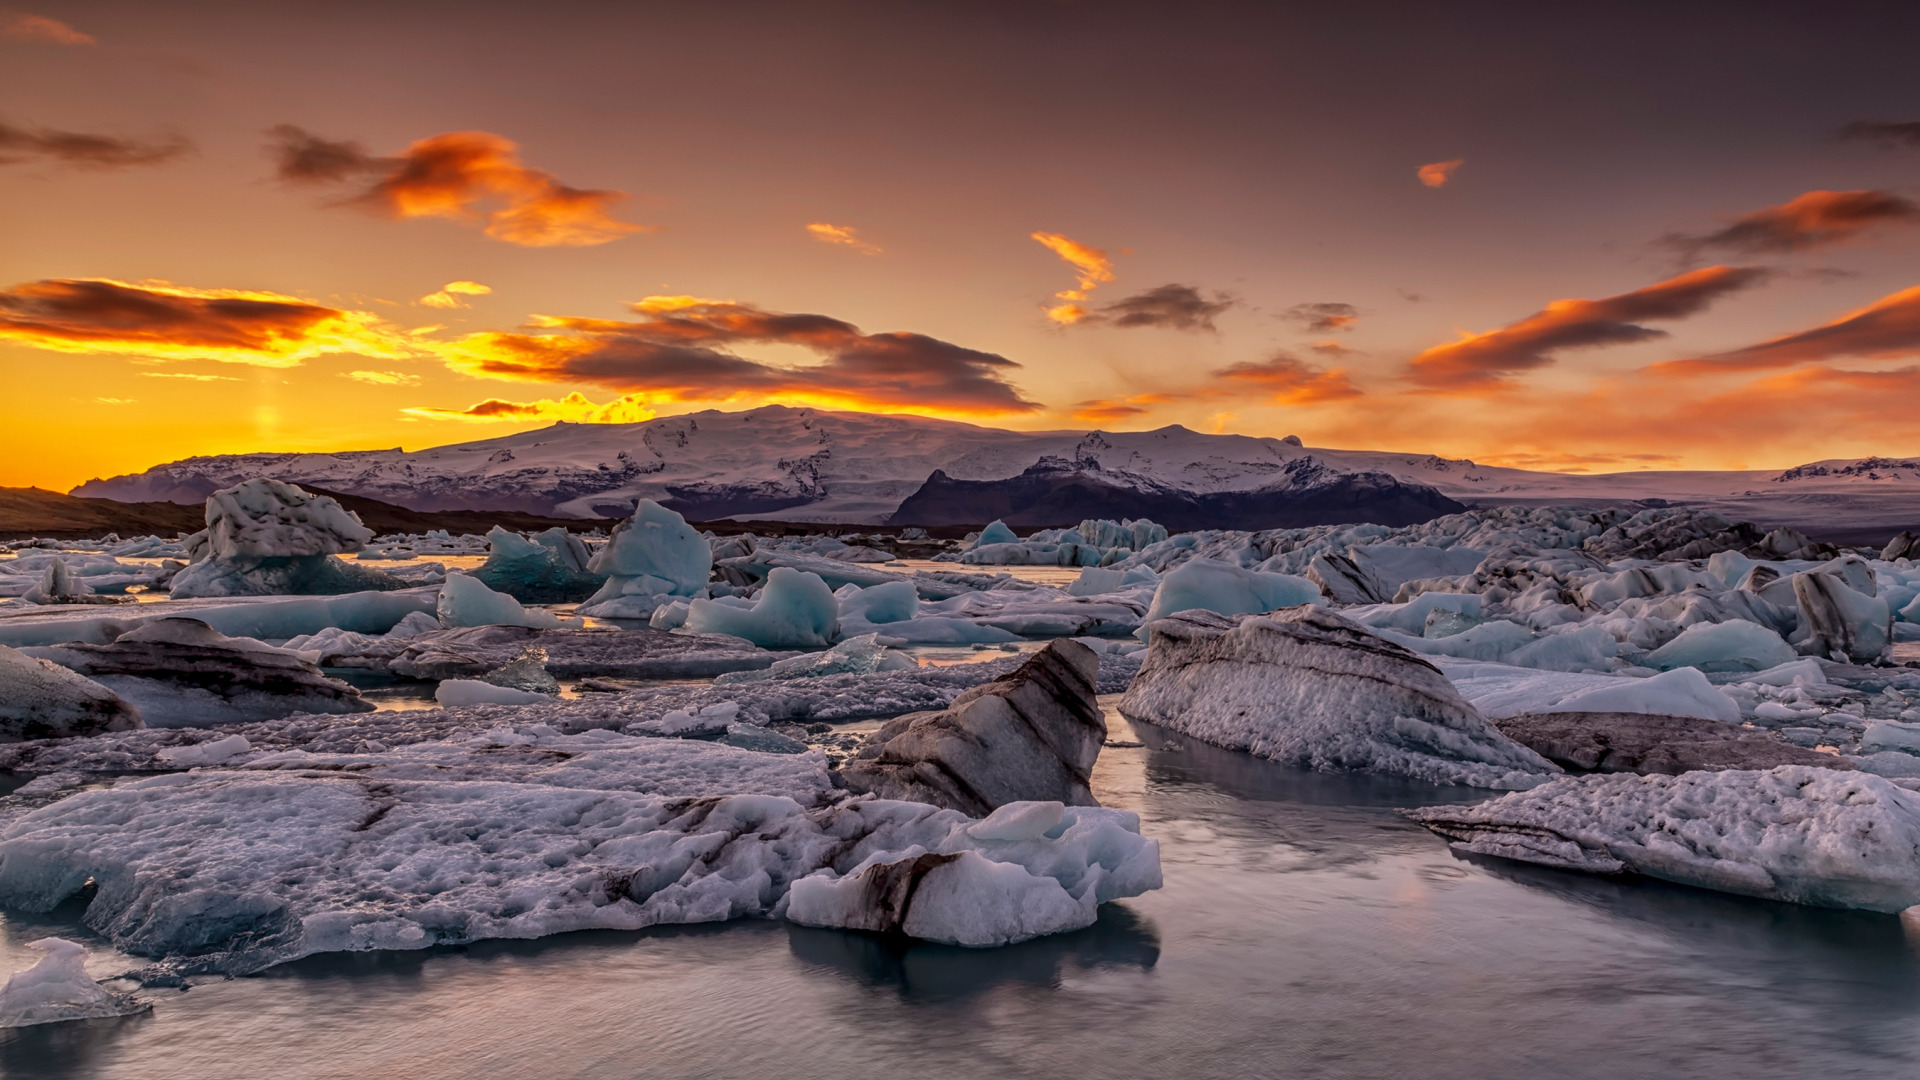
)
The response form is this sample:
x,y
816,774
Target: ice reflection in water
x,y
1306,930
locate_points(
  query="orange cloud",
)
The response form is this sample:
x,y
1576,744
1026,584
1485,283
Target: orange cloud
x,y
1482,361
1813,220
1109,410
1094,266
844,235
1886,329
450,294
85,151
574,408
384,378
1436,174
681,350
20,26
167,322
1167,307
466,176
1288,380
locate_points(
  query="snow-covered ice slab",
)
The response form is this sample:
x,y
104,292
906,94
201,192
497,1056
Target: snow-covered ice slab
x,y
274,618
237,871
1306,687
1500,690
41,700
1809,836
830,698
265,537
470,652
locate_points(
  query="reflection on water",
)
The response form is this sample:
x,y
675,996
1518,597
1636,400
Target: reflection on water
x,y
1306,930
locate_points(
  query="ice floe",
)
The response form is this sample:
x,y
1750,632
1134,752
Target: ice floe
x,y
42,700
58,988
267,538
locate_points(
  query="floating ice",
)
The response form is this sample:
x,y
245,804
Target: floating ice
x,y
854,656
996,532
1307,687
550,568
1841,622
888,603
465,601
42,700
793,611
1727,646
1018,885
59,988
212,752
471,652
1227,589
1805,835
237,871
1499,690
650,557
457,692
1033,734
180,672
266,538
528,672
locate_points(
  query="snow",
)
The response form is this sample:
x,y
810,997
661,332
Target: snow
x,y
1794,833
206,753
793,610
1227,589
464,601
651,556
58,988
235,871
1307,687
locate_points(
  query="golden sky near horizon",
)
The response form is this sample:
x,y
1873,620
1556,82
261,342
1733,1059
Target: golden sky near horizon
x,y
229,228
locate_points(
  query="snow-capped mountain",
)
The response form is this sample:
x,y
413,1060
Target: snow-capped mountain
x,y
819,465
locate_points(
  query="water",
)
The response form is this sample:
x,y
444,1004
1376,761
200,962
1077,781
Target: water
x,y
1305,930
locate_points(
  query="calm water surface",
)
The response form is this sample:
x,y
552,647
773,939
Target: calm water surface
x,y
1305,931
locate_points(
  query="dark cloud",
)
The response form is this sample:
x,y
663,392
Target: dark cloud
x,y
1886,134
85,151
1168,307
1813,220
468,176
678,350
1888,328
1323,318
90,315
1288,380
1481,361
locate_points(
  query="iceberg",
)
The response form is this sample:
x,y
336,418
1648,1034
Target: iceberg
x,y
892,602
1306,687
465,601
1226,589
1841,622
550,568
266,538
652,556
794,610
180,672
1021,882
996,532
1499,690
1793,833
1032,735
42,700
854,656
457,692
1721,647
471,652
58,988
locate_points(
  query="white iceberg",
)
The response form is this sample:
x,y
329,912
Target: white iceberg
x,y
266,538
653,556
1501,690
1720,647
42,700
550,568
1226,589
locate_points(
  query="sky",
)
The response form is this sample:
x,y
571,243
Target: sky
x,y
1546,236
